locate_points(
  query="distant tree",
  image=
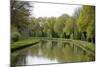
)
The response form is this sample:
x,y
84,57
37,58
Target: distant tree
x,y
46,29
70,28
60,23
76,13
51,23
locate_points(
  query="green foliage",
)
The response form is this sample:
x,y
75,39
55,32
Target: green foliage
x,y
51,23
46,28
60,24
79,26
24,42
68,26
71,28
26,30
19,13
15,36
20,16
83,44
86,21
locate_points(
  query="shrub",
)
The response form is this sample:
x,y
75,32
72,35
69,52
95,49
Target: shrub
x,y
15,36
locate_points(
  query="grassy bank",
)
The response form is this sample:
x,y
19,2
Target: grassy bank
x,y
83,44
86,44
24,42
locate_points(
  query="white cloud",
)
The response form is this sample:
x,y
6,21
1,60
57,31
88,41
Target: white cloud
x,y
48,10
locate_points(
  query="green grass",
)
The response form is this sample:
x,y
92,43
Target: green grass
x,y
84,44
24,42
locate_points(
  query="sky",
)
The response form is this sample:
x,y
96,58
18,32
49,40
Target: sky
x,y
48,10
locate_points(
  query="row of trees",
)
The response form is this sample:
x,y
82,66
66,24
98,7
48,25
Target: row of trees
x,y
79,26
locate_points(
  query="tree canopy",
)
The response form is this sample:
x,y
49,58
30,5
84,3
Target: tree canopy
x,y
81,25
86,21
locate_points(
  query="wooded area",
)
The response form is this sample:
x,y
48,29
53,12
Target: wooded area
x,y
80,26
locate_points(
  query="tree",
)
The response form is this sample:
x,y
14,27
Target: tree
x,y
20,12
76,13
51,22
46,29
70,28
86,22
60,23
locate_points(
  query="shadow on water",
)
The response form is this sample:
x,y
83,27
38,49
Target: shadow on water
x,y
47,52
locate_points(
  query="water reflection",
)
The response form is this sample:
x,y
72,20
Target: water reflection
x,y
47,52
37,60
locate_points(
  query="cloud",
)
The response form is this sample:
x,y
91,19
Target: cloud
x,y
48,10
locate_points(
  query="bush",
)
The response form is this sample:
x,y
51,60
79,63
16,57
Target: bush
x,y
15,36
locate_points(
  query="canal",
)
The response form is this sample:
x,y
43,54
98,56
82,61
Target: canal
x,y
50,52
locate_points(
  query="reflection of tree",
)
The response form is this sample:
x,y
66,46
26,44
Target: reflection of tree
x,y
62,52
18,59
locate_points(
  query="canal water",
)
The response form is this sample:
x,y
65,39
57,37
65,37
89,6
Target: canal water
x,y
50,52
